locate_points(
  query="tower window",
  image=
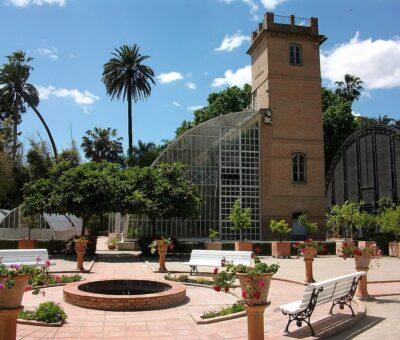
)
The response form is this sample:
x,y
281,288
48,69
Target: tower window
x,y
299,167
295,54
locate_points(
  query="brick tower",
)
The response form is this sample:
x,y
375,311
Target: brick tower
x,y
286,81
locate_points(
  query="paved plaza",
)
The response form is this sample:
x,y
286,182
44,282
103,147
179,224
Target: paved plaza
x,y
177,323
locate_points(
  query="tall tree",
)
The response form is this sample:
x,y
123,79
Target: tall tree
x,y
102,145
125,75
349,89
144,154
16,90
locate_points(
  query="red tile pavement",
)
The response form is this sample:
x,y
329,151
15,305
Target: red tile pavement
x,y
171,323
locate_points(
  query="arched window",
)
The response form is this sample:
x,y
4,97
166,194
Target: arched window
x,y
295,54
299,167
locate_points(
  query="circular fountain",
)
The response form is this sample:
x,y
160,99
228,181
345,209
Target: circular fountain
x,y
124,294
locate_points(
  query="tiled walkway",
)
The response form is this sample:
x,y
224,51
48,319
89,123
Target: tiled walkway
x,y
172,323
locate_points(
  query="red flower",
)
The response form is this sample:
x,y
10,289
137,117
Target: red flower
x,y
296,245
216,271
261,283
57,278
244,294
257,295
217,288
257,250
28,287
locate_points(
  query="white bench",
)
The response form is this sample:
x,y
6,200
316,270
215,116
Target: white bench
x,y
28,257
214,258
339,290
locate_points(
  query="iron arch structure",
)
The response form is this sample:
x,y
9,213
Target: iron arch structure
x,y
366,167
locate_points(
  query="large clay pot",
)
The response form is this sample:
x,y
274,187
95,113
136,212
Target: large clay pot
x,y
162,249
394,249
259,285
26,244
80,245
243,246
363,261
80,248
341,244
214,246
280,249
309,253
12,298
363,244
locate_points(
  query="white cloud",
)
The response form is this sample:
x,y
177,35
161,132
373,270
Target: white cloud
x,y
231,42
191,86
239,77
176,104
166,78
271,4
26,3
84,99
195,107
355,114
376,62
50,53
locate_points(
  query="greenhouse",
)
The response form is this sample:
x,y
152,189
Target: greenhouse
x,y
222,156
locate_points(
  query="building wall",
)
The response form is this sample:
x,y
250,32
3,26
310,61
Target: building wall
x,y
293,94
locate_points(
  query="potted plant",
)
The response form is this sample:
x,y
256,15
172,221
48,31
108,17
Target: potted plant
x,y
80,248
112,244
213,245
241,220
342,220
389,221
161,246
366,222
28,243
254,282
13,284
362,258
280,249
309,249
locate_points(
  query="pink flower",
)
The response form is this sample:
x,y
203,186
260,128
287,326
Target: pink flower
x,y
27,288
47,263
244,294
216,271
57,278
38,259
261,283
15,266
217,288
1,286
257,295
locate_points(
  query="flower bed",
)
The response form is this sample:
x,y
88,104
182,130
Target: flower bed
x,y
40,279
223,311
185,279
47,312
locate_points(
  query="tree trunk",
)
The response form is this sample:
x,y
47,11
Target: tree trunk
x,y
15,133
130,136
85,220
241,237
53,145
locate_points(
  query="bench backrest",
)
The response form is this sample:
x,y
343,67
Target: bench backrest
x,y
331,289
214,257
24,256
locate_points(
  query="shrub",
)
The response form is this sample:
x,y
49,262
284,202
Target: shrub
x,y
235,308
281,227
48,312
185,278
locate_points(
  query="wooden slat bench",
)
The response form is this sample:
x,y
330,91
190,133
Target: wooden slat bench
x,y
339,290
29,257
214,258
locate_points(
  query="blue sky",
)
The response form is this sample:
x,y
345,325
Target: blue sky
x,y
196,47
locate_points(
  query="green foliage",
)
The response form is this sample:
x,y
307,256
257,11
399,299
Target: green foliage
x,y
39,278
185,278
338,121
221,311
48,312
311,227
389,221
102,145
144,154
231,99
240,218
343,219
349,89
213,233
6,178
39,160
281,227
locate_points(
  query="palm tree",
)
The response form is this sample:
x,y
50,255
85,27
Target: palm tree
x,y
18,92
144,154
125,75
349,89
385,120
98,145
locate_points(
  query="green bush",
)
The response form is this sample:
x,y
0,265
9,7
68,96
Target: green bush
x,y
185,278
48,312
8,244
235,308
179,246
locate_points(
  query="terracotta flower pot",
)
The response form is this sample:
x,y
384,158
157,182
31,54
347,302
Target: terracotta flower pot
x,y
280,249
26,244
363,261
394,249
12,298
80,246
162,249
309,253
243,246
255,291
214,246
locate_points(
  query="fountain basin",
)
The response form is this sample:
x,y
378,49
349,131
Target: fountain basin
x,y
124,294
